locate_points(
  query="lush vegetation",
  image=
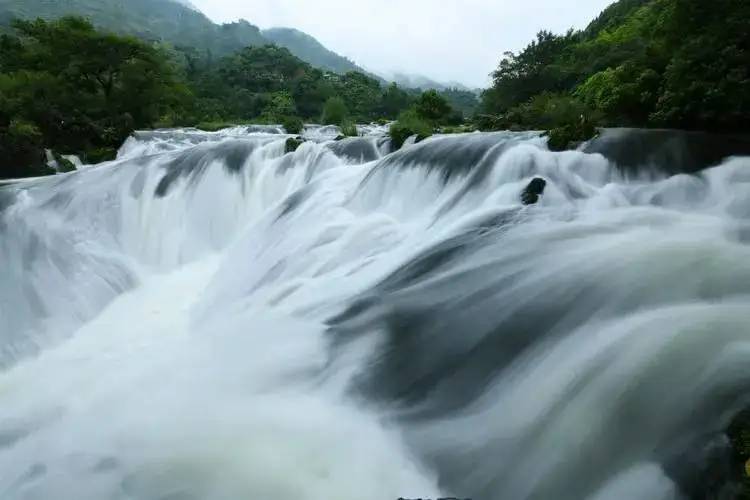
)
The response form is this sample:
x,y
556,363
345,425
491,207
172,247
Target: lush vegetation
x,y
464,102
310,50
430,111
270,84
70,88
65,86
150,20
645,63
167,21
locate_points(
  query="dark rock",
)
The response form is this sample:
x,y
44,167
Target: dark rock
x,y
533,191
340,137
63,164
293,143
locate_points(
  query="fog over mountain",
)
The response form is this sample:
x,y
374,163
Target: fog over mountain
x,y
419,37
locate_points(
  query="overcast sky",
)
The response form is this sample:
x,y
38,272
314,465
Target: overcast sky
x,y
458,40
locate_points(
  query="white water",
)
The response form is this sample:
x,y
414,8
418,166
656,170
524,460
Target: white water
x,y
191,344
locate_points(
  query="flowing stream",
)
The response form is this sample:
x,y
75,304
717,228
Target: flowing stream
x,y
211,318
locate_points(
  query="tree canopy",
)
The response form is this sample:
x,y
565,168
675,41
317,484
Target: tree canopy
x,y
67,86
648,63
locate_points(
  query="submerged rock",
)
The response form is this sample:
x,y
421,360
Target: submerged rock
x,y
533,191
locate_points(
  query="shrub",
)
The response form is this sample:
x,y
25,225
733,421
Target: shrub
x,y
349,129
569,136
22,151
292,124
334,112
282,104
409,123
433,107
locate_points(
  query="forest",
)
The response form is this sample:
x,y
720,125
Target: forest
x,y
642,63
71,88
75,89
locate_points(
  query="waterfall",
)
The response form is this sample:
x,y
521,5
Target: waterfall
x,y
210,317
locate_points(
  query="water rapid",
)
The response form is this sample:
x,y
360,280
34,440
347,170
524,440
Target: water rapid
x,y
211,317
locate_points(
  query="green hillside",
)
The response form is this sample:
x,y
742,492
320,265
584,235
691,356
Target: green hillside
x,y
153,20
310,50
178,24
641,63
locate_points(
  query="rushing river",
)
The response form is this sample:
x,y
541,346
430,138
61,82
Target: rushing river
x,y
211,318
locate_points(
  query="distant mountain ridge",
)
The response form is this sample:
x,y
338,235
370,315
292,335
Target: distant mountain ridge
x,y
424,83
310,50
154,20
180,23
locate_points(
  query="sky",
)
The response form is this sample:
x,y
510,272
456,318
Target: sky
x,y
446,40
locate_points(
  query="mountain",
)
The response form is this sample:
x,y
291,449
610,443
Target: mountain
x,y
180,23
310,50
186,3
412,81
154,20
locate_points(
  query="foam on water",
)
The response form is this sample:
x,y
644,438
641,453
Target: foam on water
x,y
209,317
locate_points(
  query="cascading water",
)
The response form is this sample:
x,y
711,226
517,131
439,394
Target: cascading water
x,y
210,318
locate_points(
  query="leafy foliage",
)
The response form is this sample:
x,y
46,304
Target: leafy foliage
x,y
395,100
675,63
361,94
292,124
433,107
429,111
349,129
152,20
335,112
409,123
83,91
247,85
73,89
462,101
21,153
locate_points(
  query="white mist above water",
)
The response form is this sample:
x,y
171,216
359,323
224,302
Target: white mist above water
x,y
176,338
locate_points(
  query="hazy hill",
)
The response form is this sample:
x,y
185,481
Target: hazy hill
x,y
164,20
180,23
413,81
310,50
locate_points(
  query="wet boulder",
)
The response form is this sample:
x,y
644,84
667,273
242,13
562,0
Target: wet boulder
x,y
533,191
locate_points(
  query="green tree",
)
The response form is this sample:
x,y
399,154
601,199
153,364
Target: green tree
x,y
409,123
361,94
463,102
282,104
335,112
394,101
433,107
675,63
80,89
